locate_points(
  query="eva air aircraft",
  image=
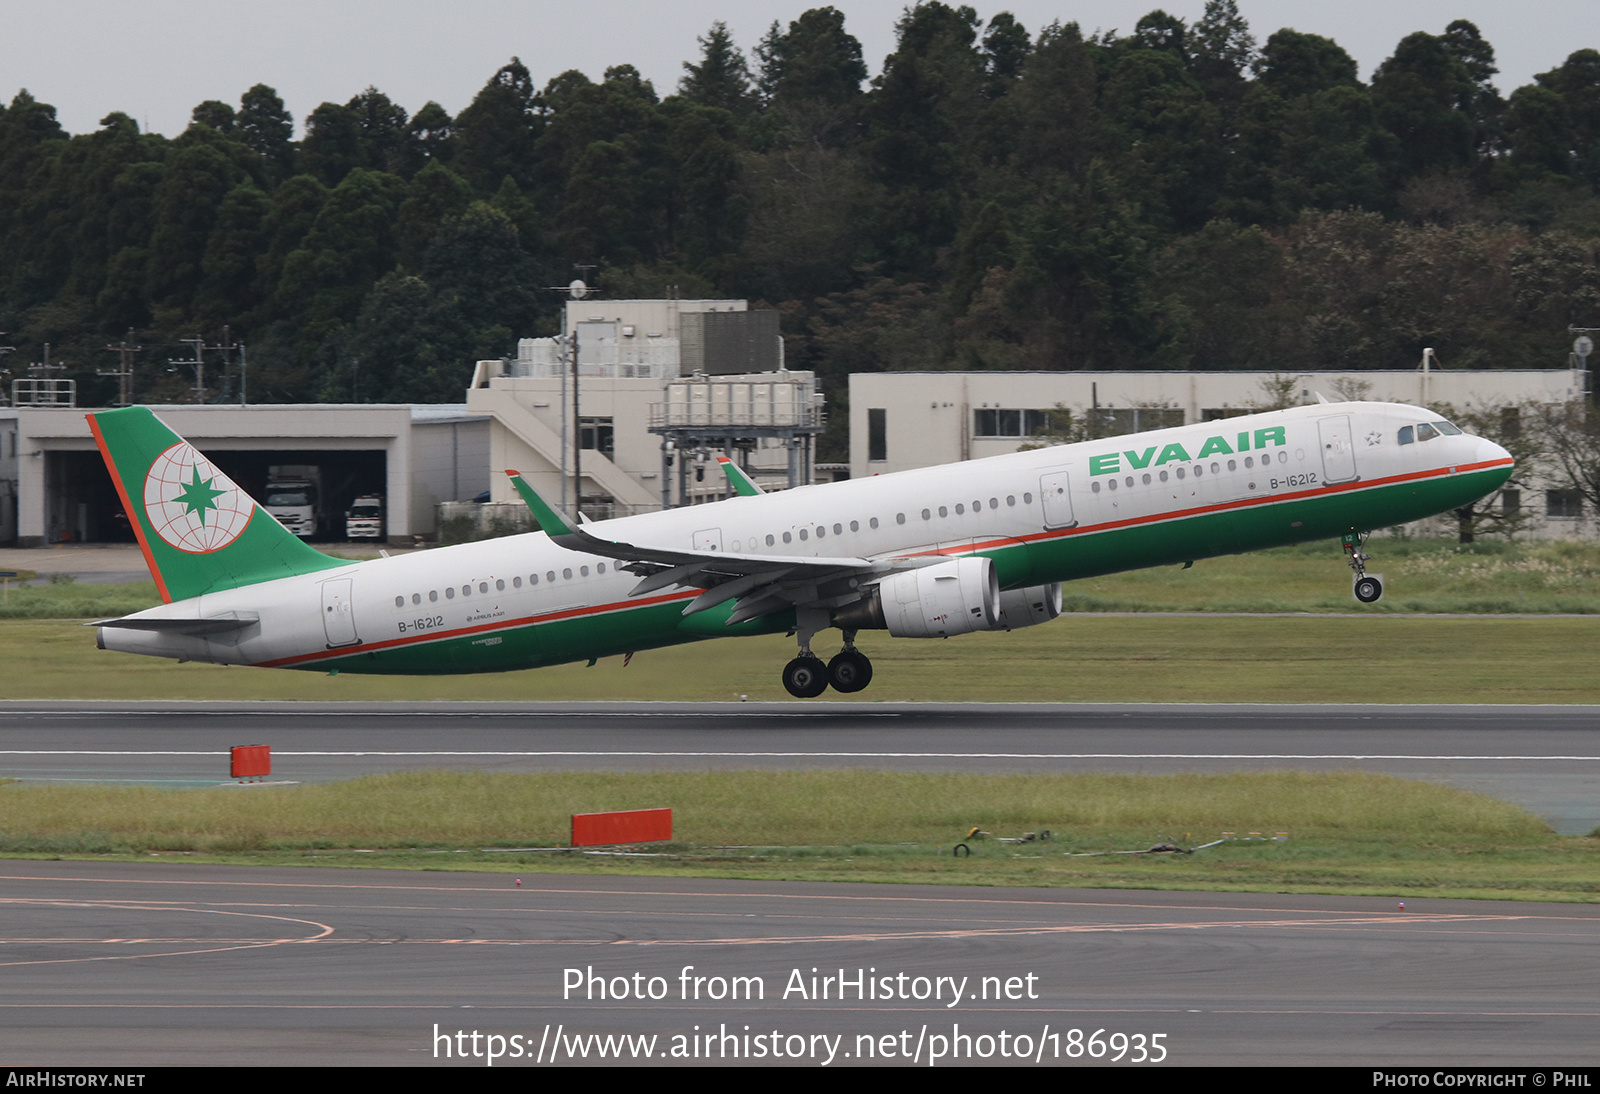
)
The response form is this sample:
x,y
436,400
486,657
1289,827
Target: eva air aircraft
x,y
976,546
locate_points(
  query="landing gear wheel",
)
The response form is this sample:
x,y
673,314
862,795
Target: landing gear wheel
x,y
805,677
1369,588
849,671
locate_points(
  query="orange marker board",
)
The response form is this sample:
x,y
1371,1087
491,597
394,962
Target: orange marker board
x,y
627,826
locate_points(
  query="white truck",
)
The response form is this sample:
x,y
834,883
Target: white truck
x,y
364,518
294,497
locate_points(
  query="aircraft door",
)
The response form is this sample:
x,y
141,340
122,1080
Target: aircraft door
x,y
1056,494
338,613
1338,449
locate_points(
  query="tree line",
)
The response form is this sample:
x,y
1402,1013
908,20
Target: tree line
x,y
1178,196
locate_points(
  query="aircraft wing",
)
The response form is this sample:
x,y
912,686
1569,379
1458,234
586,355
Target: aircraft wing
x,y
761,584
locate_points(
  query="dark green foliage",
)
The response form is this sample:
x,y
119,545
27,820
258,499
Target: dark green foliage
x,y
994,199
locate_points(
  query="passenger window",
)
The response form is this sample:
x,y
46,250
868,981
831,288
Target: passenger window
x,y
1178,472
1146,478
566,574
1027,498
926,515
550,575
466,590
450,593
433,596
899,518
960,509
1011,499
601,568
1129,481
770,541
1163,476
483,586
944,512
1111,484
994,503
1249,461
873,523
804,535
1199,469
399,601
500,585
839,530
822,531
855,526
1233,465
416,598
583,571
1095,486
516,583
787,538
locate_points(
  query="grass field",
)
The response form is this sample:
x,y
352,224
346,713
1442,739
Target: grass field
x,y
1078,658
1347,833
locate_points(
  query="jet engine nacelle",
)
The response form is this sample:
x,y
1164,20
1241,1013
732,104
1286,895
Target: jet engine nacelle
x,y
1026,607
954,597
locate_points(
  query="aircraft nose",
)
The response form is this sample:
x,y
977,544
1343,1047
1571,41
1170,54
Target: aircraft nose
x,y
1491,453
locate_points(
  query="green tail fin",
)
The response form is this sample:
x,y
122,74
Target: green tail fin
x,y
200,533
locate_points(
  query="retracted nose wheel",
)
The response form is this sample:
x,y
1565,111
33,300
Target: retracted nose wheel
x,y
805,677
849,671
1369,588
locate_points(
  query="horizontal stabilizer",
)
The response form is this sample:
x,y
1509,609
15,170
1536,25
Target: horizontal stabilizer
x,y
217,624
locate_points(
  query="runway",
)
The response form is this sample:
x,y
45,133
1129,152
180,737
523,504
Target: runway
x,y
127,965
131,965
1545,758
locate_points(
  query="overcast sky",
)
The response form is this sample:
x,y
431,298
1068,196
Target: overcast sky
x,y
156,59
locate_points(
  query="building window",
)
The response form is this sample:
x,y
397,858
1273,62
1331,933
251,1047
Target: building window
x,y
597,435
1511,504
1563,504
1016,423
877,435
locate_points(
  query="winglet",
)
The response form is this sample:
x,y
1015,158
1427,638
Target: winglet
x,y
549,520
743,484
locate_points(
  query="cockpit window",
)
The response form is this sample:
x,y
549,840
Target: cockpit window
x,y
1407,434
1426,432
1447,429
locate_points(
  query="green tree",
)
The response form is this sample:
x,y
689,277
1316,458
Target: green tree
x,y
495,135
267,129
722,78
810,77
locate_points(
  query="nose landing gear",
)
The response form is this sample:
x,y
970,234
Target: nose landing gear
x,y
1368,588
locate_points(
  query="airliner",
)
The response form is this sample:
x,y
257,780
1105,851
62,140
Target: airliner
x,y
931,553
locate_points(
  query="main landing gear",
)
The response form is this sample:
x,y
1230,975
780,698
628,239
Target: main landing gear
x,y
806,677
1368,588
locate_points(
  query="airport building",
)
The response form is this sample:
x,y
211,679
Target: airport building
x,y
662,387
414,456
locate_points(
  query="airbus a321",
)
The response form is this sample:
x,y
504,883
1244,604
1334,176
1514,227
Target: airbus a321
x,y
930,553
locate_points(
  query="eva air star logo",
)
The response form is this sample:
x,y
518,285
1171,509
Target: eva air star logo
x,y
191,504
